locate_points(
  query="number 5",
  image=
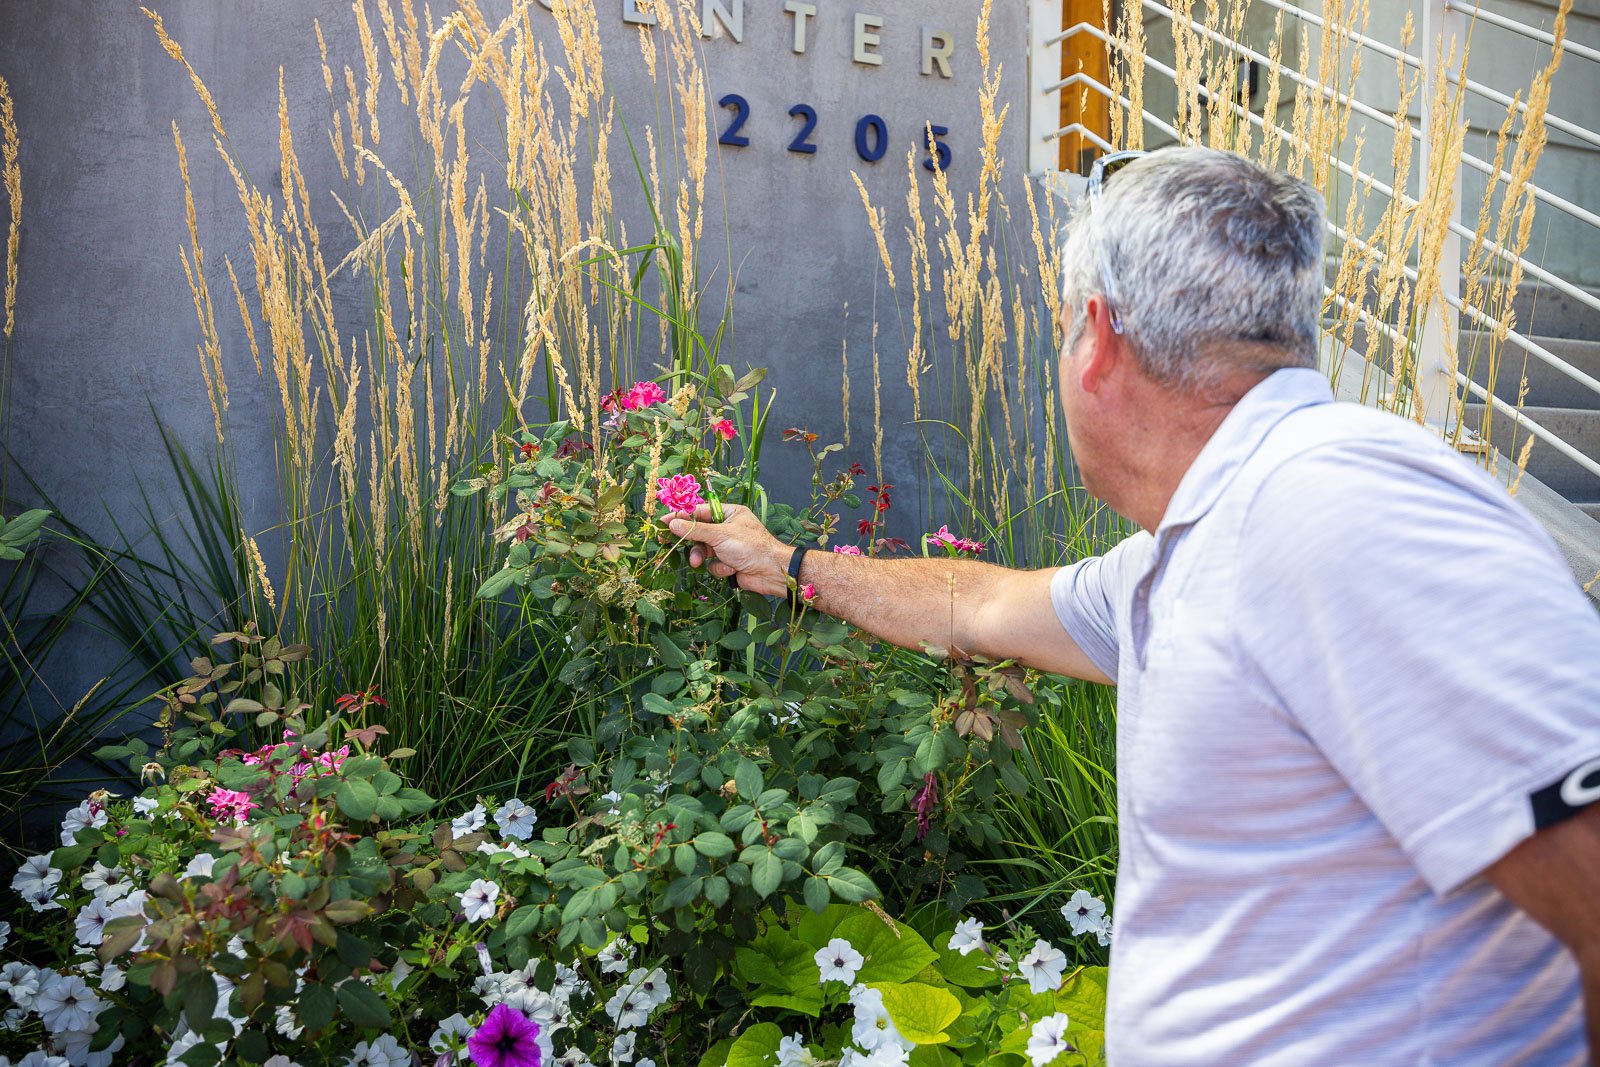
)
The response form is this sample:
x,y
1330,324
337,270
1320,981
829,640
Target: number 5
x,y
937,149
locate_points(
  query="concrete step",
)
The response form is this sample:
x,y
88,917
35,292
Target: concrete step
x,y
1477,355
1578,427
1591,508
1552,313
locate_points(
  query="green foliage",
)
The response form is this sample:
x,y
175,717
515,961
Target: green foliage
x,y
977,1008
746,748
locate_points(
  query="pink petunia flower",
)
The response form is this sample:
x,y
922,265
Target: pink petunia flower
x,y
725,429
847,550
681,492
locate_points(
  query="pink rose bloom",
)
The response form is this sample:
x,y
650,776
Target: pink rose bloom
x,y
230,803
642,395
808,592
847,550
681,492
959,544
725,429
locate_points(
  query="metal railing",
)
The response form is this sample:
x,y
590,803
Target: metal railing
x,y
1443,22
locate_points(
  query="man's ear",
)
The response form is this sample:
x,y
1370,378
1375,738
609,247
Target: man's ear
x,y
1107,350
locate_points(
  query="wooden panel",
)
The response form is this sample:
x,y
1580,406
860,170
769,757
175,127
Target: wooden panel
x,y
1083,52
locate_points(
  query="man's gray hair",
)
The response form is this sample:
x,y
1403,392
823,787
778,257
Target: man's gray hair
x,y
1203,247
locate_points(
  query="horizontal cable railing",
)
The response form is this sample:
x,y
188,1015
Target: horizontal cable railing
x,y
1531,32
1427,350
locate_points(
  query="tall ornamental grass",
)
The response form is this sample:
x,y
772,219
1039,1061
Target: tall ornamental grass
x,y
497,289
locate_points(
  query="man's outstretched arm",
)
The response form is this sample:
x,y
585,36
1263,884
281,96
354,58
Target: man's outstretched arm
x,y
977,607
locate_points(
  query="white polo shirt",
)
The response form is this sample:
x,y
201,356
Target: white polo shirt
x,y
1351,670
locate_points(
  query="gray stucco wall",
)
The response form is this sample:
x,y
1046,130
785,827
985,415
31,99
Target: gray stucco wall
x,y
105,325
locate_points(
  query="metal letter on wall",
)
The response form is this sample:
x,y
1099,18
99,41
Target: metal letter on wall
x,y
632,14
866,39
714,18
939,53
801,11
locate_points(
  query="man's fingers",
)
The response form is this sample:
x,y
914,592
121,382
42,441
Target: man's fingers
x,y
721,569
696,527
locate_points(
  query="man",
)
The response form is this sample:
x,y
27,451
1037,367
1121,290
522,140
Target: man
x,y
1359,693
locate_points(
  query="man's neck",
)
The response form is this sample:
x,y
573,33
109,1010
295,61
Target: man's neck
x,y
1178,425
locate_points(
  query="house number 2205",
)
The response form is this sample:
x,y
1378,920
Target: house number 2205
x,y
872,133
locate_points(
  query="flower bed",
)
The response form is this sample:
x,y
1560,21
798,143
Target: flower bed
x,y
751,791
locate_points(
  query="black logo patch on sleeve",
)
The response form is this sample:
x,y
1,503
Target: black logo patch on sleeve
x,y
1562,799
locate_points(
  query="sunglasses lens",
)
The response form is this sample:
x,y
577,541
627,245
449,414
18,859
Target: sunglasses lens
x,y
1113,166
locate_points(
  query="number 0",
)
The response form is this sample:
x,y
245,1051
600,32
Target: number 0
x,y
871,148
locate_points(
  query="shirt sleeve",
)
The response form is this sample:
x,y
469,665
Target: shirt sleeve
x,y
1092,594
1424,632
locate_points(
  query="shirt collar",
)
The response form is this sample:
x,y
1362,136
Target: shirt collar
x,y
1237,438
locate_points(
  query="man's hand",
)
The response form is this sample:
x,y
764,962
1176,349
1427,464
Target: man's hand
x,y
738,545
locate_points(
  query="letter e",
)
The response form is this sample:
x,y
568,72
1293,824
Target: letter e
x,y
867,40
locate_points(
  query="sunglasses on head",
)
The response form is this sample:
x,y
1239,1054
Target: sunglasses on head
x,y
1101,172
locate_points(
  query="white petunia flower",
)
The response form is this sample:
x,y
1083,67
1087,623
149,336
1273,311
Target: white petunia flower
x,y
613,959
43,1059
1084,911
285,1023
477,903
200,866
628,1009
614,800
100,879
90,922
1103,934
112,978
839,961
74,1045
21,982
13,1018
873,1027
885,1055
36,881
968,936
510,848
65,1002
449,1040
573,1057
180,1045
646,1062
470,823
1043,967
651,985
145,807
622,1047
515,819
82,817
384,1051
280,1060
1048,1039
568,983
792,1052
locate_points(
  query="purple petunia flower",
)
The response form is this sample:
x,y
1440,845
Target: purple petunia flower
x,y
507,1038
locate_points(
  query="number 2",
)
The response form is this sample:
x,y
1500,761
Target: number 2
x,y
801,143
741,112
